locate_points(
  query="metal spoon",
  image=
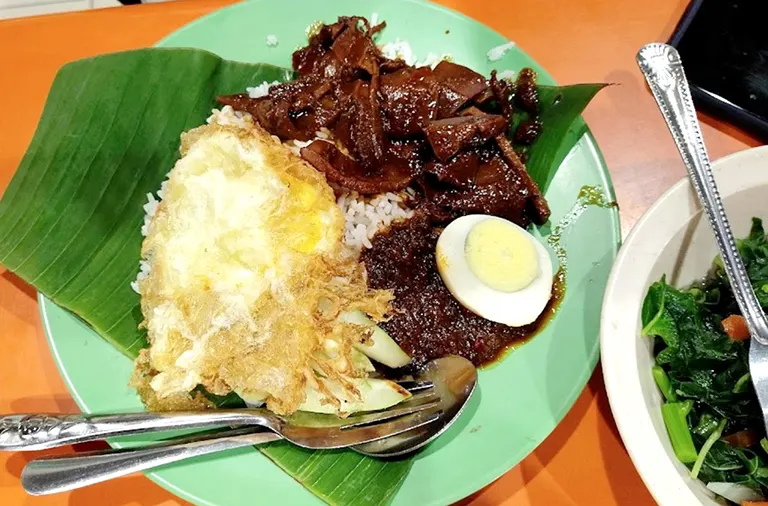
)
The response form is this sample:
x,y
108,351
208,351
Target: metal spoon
x,y
662,68
454,380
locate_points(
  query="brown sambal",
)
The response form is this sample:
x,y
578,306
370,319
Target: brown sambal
x,y
428,322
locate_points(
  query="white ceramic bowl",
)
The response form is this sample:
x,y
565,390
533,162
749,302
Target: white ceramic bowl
x,y
673,238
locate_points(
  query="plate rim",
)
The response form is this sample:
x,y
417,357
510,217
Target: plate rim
x,y
459,492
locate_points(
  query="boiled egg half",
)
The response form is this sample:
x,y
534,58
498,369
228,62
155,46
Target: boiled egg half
x,y
495,269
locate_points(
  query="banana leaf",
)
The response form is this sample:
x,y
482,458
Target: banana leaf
x,y
70,217
560,109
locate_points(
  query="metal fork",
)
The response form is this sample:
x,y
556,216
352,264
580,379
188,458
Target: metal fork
x,y
41,432
59,474
662,68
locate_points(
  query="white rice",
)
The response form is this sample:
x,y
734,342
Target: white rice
x,y
271,40
432,59
509,75
402,49
144,269
295,145
261,90
150,208
230,117
495,53
364,216
398,49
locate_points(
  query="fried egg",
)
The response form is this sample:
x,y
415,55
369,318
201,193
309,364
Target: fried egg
x,y
495,269
248,276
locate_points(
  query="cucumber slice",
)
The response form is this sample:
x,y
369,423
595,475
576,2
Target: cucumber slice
x,y
375,394
380,347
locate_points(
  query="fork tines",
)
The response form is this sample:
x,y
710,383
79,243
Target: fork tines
x,y
424,400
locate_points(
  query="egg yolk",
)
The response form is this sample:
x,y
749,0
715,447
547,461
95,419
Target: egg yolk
x,y
501,256
301,220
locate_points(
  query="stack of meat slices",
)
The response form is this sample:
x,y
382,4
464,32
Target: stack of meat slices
x,y
442,131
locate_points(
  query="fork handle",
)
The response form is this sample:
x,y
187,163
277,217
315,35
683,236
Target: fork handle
x,y
60,474
41,432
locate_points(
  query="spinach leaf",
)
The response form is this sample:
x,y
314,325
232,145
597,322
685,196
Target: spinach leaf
x,y
657,320
700,364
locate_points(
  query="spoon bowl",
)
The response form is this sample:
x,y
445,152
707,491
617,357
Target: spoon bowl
x,y
454,379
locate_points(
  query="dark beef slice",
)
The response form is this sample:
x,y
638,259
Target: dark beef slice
x,y
462,80
343,126
496,191
448,102
306,93
528,131
471,111
336,166
526,92
449,136
388,65
261,111
306,60
324,56
486,96
502,90
294,110
366,133
409,101
343,171
539,207
273,115
356,50
459,171
238,102
410,153
323,114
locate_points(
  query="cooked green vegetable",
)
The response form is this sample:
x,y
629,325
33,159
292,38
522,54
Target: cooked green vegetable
x,y
742,384
675,416
662,381
711,440
707,423
697,362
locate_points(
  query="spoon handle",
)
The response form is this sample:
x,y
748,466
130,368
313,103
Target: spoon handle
x,y
662,68
60,474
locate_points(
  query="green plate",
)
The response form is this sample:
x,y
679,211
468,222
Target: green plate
x,y
520,400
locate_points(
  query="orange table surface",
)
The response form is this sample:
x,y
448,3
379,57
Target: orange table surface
x,y
583,461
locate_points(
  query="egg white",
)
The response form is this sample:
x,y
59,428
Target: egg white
x,y
515,309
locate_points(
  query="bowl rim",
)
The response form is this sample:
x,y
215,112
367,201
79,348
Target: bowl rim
x,y
656,467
